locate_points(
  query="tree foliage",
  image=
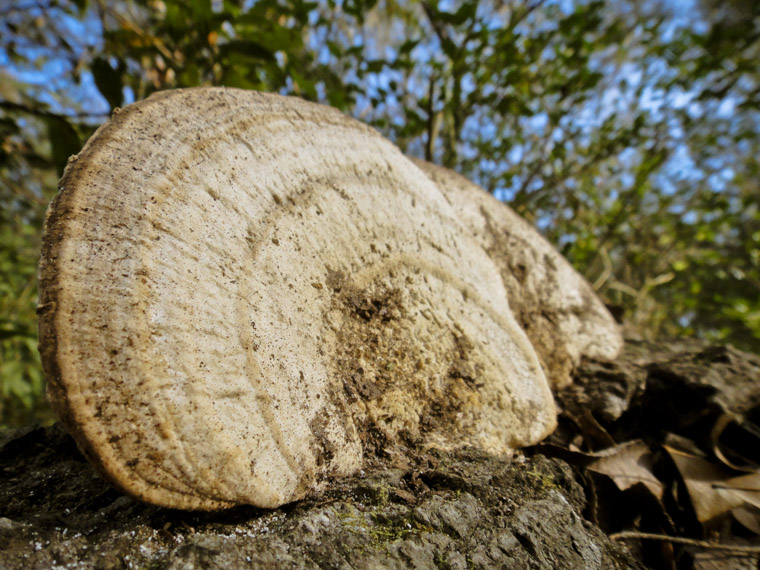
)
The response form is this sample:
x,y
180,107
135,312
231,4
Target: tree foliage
x,y
625,131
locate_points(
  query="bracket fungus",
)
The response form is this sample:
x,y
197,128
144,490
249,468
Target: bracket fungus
x,y
558,309
243,295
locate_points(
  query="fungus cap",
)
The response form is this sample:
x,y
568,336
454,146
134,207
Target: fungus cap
x,y
243,295
558,309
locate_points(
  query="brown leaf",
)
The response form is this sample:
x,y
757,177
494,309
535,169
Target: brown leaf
x,y
631,463
736,443
748,517
712,560
714,490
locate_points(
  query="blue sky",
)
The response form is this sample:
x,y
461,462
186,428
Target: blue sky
x,y
53,80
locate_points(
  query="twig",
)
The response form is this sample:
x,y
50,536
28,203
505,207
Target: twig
x,y
434,122
735,548
438,28
23,192
10,106
606,272
136,29
623,288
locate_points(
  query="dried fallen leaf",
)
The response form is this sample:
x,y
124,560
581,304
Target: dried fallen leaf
x,y
711,560
749,517
714,490
736,442
628,464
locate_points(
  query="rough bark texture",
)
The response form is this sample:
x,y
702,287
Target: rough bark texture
x,y
423,509
466,510
679,386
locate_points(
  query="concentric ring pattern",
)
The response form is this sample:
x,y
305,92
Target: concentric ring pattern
x,y
242,295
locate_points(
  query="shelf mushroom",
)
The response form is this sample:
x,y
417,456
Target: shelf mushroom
x,y
244,295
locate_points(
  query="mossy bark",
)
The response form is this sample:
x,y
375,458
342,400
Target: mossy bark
x,y
463,510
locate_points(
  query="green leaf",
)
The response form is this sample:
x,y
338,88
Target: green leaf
x,y
247,48
335,48
189,76
200,9
304,86
6,334
81,6
450,49
407,47
108,81
465,12
64,141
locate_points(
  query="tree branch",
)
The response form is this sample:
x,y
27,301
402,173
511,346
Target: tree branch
x,y
44,113
734,548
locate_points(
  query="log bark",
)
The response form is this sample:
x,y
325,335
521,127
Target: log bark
x,y
462,510
431,509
